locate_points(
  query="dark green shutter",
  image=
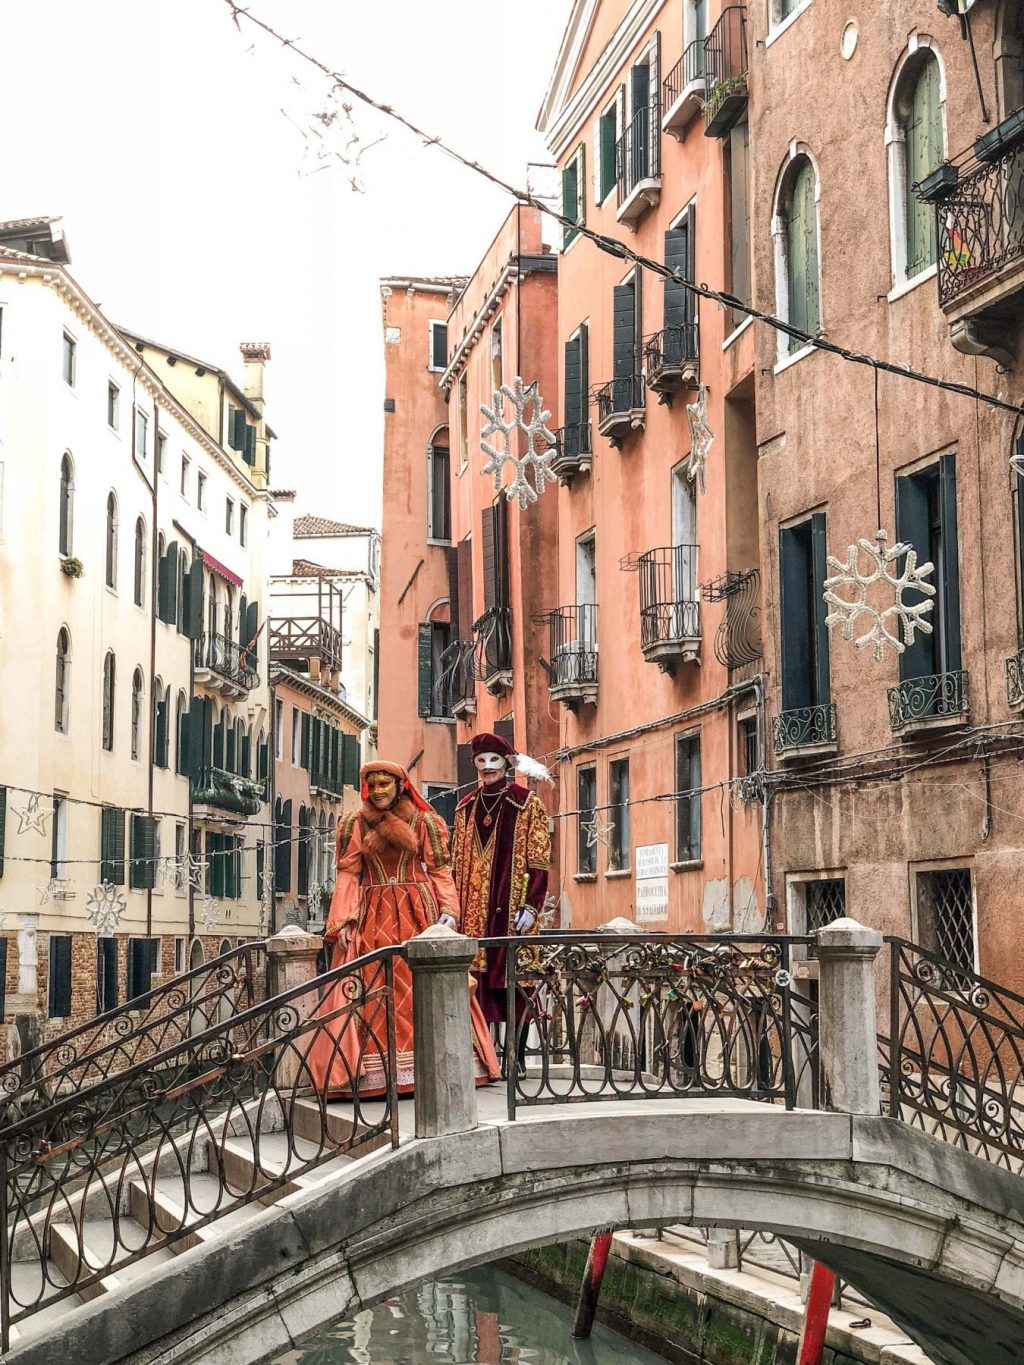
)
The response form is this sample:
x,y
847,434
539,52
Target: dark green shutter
x,y
215,863
3,825
424,666
796,639
623,336
106,975
261,853
607,146
283,849
60,976
194,612
950,567
569,200
314,752
487,553
819,609
249,453
169,591
796,254
573,383
217,752
230,749
924,153
304,742
242,603
913,527
141,965
182,762
677,296
160,736
252,622
143,865
112,845
245,758
350,760
238,426
584,372
262,760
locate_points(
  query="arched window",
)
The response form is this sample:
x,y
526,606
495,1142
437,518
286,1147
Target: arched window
x,y
62,689
161,550
439,508
136,713
916,145
213,609
111,563
109,691
262,756
161,724
67,504
139,586
182,592
181,711
795,228
229,616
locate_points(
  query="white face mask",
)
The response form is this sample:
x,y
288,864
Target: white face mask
x,y
489,766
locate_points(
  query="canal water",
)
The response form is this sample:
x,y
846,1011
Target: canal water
x,y
477,1317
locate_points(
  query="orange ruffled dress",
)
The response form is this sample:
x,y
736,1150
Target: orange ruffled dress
x,y
393,881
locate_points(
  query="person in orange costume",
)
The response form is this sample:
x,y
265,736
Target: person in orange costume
x,y
393,881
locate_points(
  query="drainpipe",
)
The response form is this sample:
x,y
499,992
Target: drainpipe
x,y
153,574
271,843
191,693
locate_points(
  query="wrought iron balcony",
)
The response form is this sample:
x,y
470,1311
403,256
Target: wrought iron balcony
x,y
573,667
935,701
725,65
456,684
683,90
738,639
638,164
1015,679
228,791
669,606
670,358
493,649
980,228
225,666
621,408
573,451
805,730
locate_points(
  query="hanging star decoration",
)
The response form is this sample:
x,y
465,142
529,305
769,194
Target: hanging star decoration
x,y
893,625
597,830
184,871
209,913
33,816
701,439
56,889
539,442
105,905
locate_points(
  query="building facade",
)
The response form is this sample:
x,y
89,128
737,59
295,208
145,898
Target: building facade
x,y
654,648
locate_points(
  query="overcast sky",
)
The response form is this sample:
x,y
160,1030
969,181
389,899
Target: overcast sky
x,y
175,149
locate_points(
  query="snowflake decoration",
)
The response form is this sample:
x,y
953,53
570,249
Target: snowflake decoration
x,y
33,816
701,439
105,906
905,617
56,889
209,914
521,397
597,830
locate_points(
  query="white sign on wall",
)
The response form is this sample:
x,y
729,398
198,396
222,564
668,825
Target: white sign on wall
x,y
651,883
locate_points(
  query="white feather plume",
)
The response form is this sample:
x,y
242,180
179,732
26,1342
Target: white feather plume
x,y
532,768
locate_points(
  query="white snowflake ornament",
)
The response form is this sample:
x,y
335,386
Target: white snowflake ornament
x,y
209,914
105,907
904,618
539,442
315,899
701,439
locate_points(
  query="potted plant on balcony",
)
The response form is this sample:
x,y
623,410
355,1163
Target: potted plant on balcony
x,y
938,184
998,140
73,567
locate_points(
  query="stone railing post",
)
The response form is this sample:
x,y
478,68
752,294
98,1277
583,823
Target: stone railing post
x,y
439,959
847,1025
291,960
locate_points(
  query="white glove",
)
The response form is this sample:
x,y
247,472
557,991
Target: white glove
x,y
447,921
524,920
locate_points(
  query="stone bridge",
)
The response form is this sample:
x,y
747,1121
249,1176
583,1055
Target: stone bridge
x,y
930,1233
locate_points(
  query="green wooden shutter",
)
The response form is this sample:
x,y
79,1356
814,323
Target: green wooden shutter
x,y
424,666
252,622
350,760
487,553
950,567
238,425
160,734
112,845
304,742
262,760
60,976
3,825
796,638
314,751
215,863
924,152
581,184
194,609
569,200
623,338
230,747
249,453
584,372
245,762
913,526
107,993
819,609
802,255
502,567
677,296
169,594
607,150
573,390
143,864
217,752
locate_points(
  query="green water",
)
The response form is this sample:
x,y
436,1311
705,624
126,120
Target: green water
x,y
478,1317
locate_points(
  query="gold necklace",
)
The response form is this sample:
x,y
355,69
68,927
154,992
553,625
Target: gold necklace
x,y
488,809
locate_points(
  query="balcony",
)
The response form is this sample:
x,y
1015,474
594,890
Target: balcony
x,y
670,361
669,606
298,638
216,790
573,451
638,166
938,701
684,90
738,638
224,666
492,659
1015,680
457,680
621,408
805,732
725,66
980,224
573,667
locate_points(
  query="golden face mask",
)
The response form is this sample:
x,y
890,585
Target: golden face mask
x,y
382,787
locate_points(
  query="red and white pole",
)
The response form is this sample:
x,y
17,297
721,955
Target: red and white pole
x,y
819,1301
590,1289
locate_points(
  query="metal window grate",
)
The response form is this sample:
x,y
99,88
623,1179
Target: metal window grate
x,y
945,912
825,902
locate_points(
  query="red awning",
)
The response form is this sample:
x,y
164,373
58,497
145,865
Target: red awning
x,y
218,568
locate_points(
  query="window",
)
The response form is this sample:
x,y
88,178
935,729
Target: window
x,y
139,580
608,132
749,746
69,359
782,9
296,738
438,346
142,963
688,807
283,845
184,590
926,518
183,486
679,341
627,330
60,990
62,686
805,648
278,728
737,216
109,690
815,903
181,766
161,724
796,238
112,845
944,904
142,869
439,474
141,436
201,491
113,406
639,153
161,443
136,713
916,146
59,837
618,783
497,362
586,839
463,422
229,516
179,858
573,197
243,525
106,975
111,543
67,504
434,638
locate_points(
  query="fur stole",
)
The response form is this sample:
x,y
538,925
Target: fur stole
x,y
390,829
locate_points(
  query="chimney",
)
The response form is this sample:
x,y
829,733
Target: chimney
x,y
255,355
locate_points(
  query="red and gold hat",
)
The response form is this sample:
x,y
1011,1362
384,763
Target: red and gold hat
x,y
491,744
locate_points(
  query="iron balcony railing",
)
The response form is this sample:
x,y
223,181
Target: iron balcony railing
x,y
669,596
980,225
573,635
667,354
638,151
236,663
1015,678
688,70
725,63
573,448
934,696
493,646
228,791
620,396
738,638
456,682
804,727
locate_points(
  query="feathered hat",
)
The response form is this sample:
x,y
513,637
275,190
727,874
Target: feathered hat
x,y
488,743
